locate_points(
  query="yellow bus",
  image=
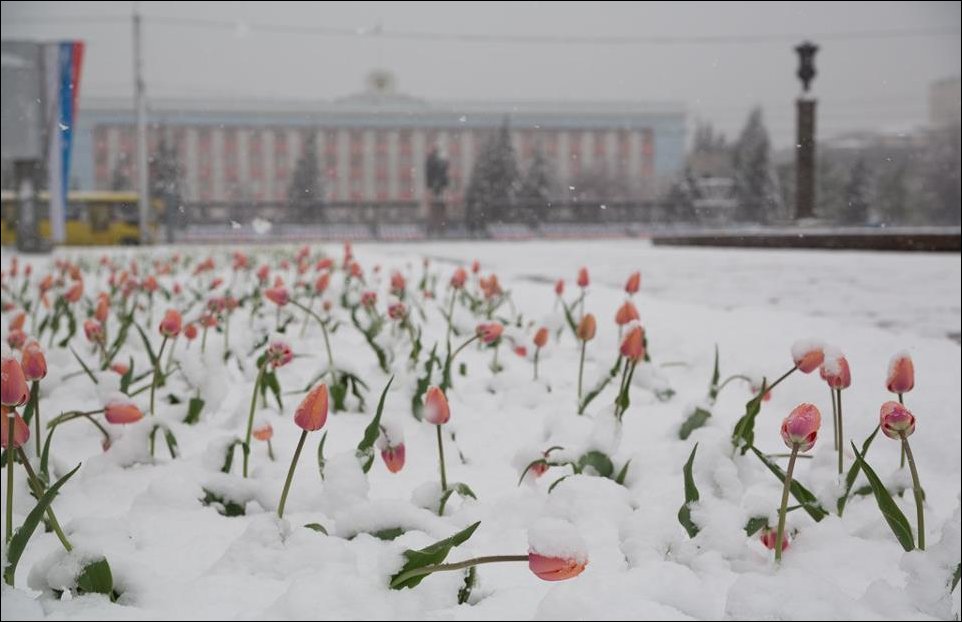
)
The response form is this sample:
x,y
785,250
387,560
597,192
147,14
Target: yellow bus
x,y
96,218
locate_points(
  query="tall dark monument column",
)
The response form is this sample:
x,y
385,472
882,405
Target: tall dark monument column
x,y
805,135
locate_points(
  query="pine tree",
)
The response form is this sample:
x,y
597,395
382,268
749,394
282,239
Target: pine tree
x,y
305,191
891,193
754,179
856,208
491,191
534,195
681,197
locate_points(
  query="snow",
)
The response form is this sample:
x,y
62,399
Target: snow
x,y
173,557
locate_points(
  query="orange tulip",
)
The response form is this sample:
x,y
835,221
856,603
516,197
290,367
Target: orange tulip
x,y
311,414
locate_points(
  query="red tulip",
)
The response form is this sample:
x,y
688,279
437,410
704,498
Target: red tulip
x,y
490,332
559,287
626,313
633,345
555,568
633,284
521,351
311,414
122,412
896,420
808,355
393,457
16,339
13,391
458,279
263,432
21,431
436,409
278,295
279,354
768,538
587,327
541,337
171,323
901,376
33,362
583,279
801,427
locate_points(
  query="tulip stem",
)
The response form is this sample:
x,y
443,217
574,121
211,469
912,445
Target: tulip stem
x,y
34,482
35,397
468,563
917,489
902,450
444,475
250,415
841,436
780,533
780,378
725,382
581,368
537,351
8,534
307,314
327,339
835,440
290,474
270,450
153,384
203,340
454,297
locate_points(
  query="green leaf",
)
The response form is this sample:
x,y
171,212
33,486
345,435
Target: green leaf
x,y
570,318
470,580
744,431
715,376
269,381
127,378
171,442
120,339
96,578
429,556
457,487
622,474
956,576
596,391
43,471
18,543
391,533
691,496
71,328
150,350
808,501
369,335
194,407
423,383
755,523
853,471
229,455
365,449
317,527
321,462
597,460
695,420
86,369
556,482
890,510
223,505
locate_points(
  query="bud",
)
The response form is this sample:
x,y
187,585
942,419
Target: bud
x,y
626,313
33,362
633,284
808,355
311,414
436,408
835,372
896,420
541,337
398,282
587,327
801,427
369,299
122,412
901,376
21,432
171,323
75,292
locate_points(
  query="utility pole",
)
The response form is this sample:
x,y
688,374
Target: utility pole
x,y
805,134
140,103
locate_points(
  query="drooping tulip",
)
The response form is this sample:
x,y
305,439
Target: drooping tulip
x,y
122,412
807,355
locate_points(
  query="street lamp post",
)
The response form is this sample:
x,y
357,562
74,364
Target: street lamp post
x,y
805,134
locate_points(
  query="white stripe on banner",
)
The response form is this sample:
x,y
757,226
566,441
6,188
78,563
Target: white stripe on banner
x,y
56,210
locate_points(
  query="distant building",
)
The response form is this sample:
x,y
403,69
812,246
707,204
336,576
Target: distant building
x,y
945,101
372,146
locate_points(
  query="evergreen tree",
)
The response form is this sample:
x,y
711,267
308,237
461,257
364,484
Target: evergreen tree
x,y
681,197
754,180
305,191
940,177
891,193
534,195
856,208
491,191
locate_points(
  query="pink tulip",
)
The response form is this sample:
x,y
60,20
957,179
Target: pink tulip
x,y
311,414
768,538
436,409
801,427
279,354
458,279
633,345
122,412
633,284
13,388
836,373
21,432
171,323
583,280
901,376
626,313
393,457
896,420
33,362
554,568
278,295
263,432
490,332
808,356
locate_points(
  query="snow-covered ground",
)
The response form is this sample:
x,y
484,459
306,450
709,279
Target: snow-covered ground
x,y
173,557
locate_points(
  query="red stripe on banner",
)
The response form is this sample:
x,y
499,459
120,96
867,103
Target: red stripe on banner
x,y
76,65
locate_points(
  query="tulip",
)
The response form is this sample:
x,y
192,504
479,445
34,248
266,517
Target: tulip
x,y
898,422
540,340
633,345
171,323
322,282
120,369
901,376
799,431
397,311
555,568
626,314
559,287
190,331
13,389
75,292
121,412
13,429
264,433
490,332
278,295
310,416
583,279
437,411
16,323
393,457
21,431
169,327
768,539
103,308
94,330
835,372
368,299
808,356
586,332
633,284
458,278
279,354
16,339
34,366
398,283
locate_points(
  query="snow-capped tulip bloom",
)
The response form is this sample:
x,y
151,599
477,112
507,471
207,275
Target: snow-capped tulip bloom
x,y
587,327
14,391
17,322
768,538
369,299
393,457
801,427
16,339
171,323
279,354
311,414
436,408
633,284
633,345
626,313
490,332
807,356
75,292
836,373
559,287
583,279
554,568
896,420
541,337
121,412
94,330
278,295
21,431
263,432
33,362
190,331
901,376
458,278
397,311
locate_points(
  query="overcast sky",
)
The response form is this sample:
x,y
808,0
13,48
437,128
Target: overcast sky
x,y
875,66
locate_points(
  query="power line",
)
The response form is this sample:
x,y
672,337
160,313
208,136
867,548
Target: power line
x,y
377,33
